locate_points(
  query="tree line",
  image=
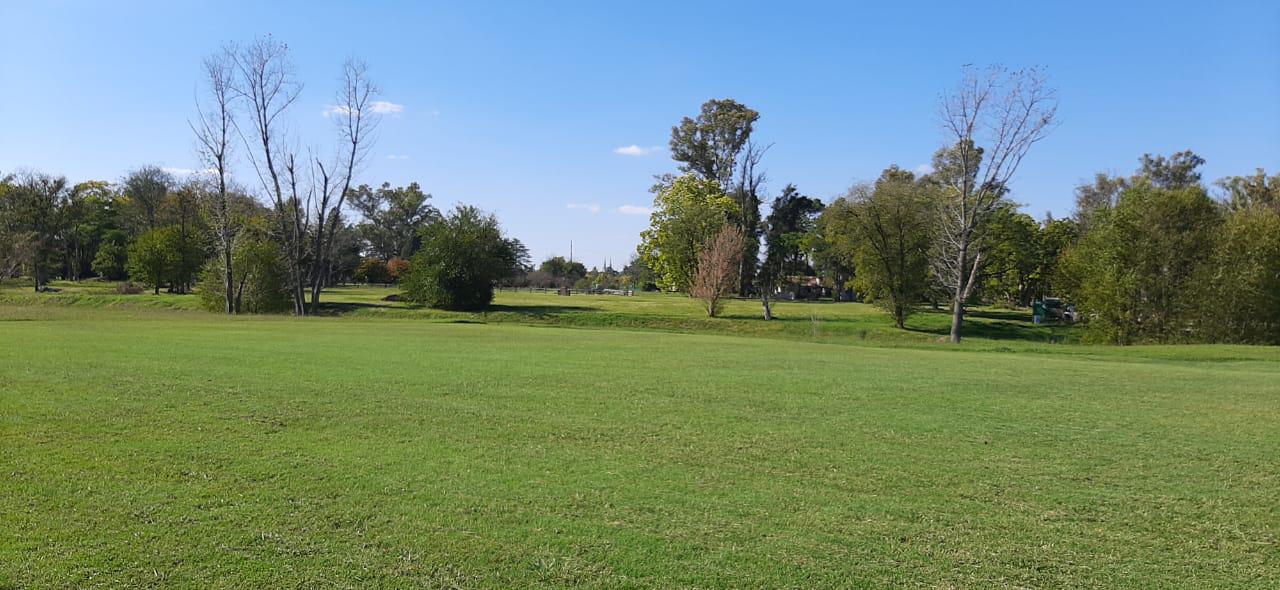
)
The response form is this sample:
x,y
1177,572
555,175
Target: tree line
x,y
1156,256
269,244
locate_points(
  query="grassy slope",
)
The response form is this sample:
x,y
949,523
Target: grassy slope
x,y
147,447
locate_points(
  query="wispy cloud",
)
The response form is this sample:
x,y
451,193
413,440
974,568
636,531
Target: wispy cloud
x,y
590,207
635,150
333,110
634,210
183,172
383,107
380,107
923,169
397,157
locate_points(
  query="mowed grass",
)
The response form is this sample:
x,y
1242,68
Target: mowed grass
x,y
156,448
839,323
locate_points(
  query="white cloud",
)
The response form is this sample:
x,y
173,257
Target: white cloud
x,y
333,110
635,150
592,207
634,210
184,172
397,157
923,169
383,107
380,107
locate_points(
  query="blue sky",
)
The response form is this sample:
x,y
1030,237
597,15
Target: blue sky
x,y
519,107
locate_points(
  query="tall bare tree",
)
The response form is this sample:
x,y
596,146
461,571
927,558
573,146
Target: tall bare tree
x,y
991,120
213,128
264,81
356,122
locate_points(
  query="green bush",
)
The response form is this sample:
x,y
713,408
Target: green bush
x,y
152,257
463,256
261,281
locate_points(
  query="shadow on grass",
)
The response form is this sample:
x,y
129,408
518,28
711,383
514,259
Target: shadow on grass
x,y
336,308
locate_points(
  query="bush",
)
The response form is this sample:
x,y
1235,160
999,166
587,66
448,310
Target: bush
x,y
153,256
129,288
1240,292
1134,273
372,270
110,261
260,278
463,256
397,268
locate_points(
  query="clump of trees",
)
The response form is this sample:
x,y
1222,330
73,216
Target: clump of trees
x,y
1161,261
462,257
688,211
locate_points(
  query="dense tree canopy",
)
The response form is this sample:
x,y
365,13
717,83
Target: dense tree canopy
x,y
1134,273
463,256
687,212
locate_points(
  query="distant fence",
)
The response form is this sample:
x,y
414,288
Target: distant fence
x,y
567,291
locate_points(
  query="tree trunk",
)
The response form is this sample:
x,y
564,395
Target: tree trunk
x,y
957,307
764,299
228,279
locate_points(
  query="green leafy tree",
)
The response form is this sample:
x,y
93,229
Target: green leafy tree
x,y
1244,192
110,261
34,214
1012,243
686,213
392,218
1099,195
716,145
144,192
1133,275
889,241
462,258
786,233
831,244
1181,170
153,255
1240,287
563,271
180,210
93,214
260,280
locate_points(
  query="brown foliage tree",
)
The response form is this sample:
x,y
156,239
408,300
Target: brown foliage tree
x,y
719,265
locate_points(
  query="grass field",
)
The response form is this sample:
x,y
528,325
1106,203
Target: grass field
x,y
148,445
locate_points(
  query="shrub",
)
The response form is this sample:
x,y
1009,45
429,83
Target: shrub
x,y
129,288
110,261
260,278
372,270
397,268
1240,286
462,258
152,257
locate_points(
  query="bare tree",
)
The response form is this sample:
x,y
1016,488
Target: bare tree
x,y
746,192
215,122
991,121
265,83
356,122
719,263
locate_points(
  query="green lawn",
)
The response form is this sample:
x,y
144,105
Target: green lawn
x,y
153,447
